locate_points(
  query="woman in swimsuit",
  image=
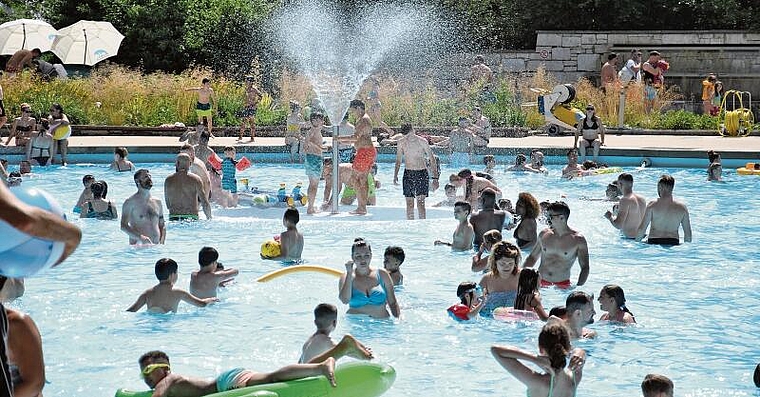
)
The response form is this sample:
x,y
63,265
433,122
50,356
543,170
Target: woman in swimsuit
x,y
367,290
40,147
98,207
500,283
612,300
473,186
526,233
554,347
23,127
120,162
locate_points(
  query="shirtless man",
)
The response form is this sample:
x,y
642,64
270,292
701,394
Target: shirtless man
x,y
156,372
580,312
482,127
414,150
142,216
202,153
163,297
345,177
572,169
203,283
252,98
609,73
198,165
631,208
461,141
480,71
203,107
558,247
666,216
183,190
365,154
488,218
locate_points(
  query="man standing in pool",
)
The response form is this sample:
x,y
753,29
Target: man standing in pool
x,y
142,216
414,150
156,372
488,218
365,154
666,216
558,247
183,191
631,208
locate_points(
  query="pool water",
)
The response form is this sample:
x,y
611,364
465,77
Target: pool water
x,y
696,304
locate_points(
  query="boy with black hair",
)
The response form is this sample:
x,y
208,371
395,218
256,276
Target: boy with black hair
x,y
212,274
469,305
393,258
320,346
163,297
656,385
291,240
464,233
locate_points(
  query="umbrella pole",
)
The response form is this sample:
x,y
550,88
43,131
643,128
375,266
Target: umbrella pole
x,y
85,46
23,42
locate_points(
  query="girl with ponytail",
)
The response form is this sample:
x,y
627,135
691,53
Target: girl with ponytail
x,y
612,301
559,380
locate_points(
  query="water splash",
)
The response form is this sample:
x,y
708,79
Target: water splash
x,y
337,52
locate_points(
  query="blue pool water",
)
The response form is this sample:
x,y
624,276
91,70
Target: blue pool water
x,y
696,304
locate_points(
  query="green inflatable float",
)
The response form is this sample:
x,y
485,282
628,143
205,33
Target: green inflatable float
x,y
355,379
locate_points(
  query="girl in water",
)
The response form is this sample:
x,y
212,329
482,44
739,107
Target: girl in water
x,y
365,289
120,162
612,300
528,210
554,347
500,283
528,295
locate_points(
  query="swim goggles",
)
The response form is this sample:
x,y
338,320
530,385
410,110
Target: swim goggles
x,y
152,367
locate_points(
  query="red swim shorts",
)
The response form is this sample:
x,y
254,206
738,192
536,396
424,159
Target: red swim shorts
x,y
559,284
364,159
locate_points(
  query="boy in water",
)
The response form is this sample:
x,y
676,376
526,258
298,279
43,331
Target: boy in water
x,y
313,164
163,297
291,240
392,259
212,274
86,194
320,346
464,233
451,196
203,106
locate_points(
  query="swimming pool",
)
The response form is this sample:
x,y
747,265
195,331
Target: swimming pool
x,y
695,303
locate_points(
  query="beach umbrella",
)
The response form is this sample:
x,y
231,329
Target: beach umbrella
x,y
25,34
87,42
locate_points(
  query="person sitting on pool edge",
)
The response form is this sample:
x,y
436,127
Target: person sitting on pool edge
x,y
163,297
392,259
156,372
464,233
367,290
212,274
320,346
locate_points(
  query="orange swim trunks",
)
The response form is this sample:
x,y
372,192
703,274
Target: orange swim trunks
x,y
559,284
364,159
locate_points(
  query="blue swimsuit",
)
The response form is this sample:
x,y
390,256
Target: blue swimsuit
x,y
376,296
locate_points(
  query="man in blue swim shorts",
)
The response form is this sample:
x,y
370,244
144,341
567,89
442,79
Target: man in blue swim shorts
x,y
156,372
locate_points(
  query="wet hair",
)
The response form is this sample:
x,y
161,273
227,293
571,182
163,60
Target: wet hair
x,y
617,293
488,196
465,288
560,207
492,237
207,256
396,252
504,249
755,378
466,174
121,151
655,384
527,286
165,267
577,300
713,155
532,210
205,80
152,356
667,180
97,189
406,128
558,311
357,103
520,159
611,56
291,215
316,115
464,205
625,177
88,177
360,242
324,314
554,339
487,159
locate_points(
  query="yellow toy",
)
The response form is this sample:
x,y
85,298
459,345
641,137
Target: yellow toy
x,y
739,121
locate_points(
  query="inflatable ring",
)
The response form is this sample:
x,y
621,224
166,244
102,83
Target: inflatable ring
x,y
62,132
510,314
299,268
748,169
356,379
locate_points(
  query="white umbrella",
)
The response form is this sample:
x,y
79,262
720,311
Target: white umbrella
x,y
87,42
25,34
